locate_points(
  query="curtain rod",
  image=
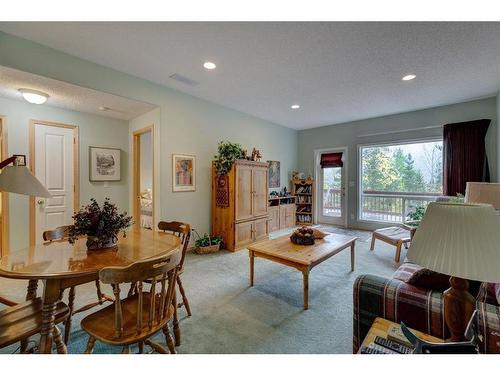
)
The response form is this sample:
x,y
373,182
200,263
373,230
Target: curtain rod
x,y
399,131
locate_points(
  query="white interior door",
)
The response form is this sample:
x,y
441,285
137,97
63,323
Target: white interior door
x,y
54,168
331,193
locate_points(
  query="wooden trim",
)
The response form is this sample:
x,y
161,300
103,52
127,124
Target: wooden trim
x,y
76,168
136,160
4,230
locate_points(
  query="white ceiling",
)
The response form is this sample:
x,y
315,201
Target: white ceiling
x,y
337,72
68,96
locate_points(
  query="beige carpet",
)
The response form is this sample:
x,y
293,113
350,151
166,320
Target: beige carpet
x,y
230,317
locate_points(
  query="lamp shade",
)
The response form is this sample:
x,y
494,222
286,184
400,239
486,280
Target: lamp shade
x,y
18,179
483,192
461,240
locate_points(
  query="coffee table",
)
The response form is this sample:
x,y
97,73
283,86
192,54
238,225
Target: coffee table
x,y
303,258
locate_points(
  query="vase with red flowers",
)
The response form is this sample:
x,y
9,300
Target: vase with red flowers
x,y
101,225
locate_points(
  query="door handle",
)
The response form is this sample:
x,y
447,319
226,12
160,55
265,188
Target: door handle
x,y
40,202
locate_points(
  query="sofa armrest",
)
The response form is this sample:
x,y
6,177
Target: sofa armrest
x,y
394,300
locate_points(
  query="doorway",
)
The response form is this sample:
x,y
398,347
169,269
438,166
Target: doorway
x,y
4,200
143,183
331,170
54,160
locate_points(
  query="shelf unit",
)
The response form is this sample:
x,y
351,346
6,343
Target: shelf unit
x,y
303,189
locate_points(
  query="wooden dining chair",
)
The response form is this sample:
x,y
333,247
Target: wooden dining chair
x,y
183,231
59,234
140,315
23,320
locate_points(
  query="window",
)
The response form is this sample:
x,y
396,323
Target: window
x,y
398,178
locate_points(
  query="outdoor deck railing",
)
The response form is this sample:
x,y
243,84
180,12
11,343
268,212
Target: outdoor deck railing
x,y
379,205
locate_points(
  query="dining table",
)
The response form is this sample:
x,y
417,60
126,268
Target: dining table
x,y
61,265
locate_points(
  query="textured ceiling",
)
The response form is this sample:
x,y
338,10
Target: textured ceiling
x,y
337,72
68,96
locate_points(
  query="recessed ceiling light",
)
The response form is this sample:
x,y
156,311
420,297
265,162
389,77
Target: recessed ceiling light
x,y
209,65
295,106
34,96
408,77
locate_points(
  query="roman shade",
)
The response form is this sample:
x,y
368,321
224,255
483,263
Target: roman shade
x,y
331,160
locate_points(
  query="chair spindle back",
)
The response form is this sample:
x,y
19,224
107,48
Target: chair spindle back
x,y
179,229
162,270
60,233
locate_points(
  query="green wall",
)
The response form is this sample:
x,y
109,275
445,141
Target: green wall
x,y
187,124
94,131
351,135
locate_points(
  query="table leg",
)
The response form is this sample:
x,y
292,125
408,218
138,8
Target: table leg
x,y
30,294
305,274
175,322
352,255
252,262
51,293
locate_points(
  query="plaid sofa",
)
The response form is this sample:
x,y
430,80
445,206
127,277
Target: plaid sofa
x,y
419,308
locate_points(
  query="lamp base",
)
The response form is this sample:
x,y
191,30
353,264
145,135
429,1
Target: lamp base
x,y
459,305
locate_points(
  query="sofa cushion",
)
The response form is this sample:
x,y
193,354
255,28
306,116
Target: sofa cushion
x,y
415,275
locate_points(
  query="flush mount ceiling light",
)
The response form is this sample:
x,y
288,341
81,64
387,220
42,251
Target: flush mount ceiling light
x,y
295,106
409,77
102,108
34,96
209,65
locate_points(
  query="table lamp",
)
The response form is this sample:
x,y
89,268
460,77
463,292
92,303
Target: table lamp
x,y
463,241
18,179
483,192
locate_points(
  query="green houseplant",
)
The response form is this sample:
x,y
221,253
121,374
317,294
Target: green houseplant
x,y
101,225
227,154
207,244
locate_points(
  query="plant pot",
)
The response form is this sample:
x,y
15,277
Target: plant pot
x,y
207,249
94,244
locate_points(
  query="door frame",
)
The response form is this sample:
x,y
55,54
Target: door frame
x,y
136,173
345,154
4,230
76,168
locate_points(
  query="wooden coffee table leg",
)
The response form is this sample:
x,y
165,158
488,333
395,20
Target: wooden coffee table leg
x,y
50,299
305,274
252,261
352,255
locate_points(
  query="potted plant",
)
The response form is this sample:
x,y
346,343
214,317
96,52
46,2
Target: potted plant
x,y
227,154
101,225
207,244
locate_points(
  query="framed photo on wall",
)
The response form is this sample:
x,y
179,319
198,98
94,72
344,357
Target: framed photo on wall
x,y
183,172
104,164
274,174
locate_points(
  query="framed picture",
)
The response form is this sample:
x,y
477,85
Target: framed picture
x,y
274,174
104,164
183,172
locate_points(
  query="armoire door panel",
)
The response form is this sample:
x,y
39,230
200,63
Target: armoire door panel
x,y
260,191
243,204
243,233
261,229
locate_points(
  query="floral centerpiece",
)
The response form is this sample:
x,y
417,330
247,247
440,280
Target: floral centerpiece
x,y
101,225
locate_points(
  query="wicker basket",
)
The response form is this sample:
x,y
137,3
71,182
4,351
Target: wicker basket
x,y
207,249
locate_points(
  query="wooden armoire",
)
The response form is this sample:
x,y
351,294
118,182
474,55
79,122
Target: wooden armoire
x,y
239,204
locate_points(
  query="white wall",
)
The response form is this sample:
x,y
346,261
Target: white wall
x,y
94,131
187,124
